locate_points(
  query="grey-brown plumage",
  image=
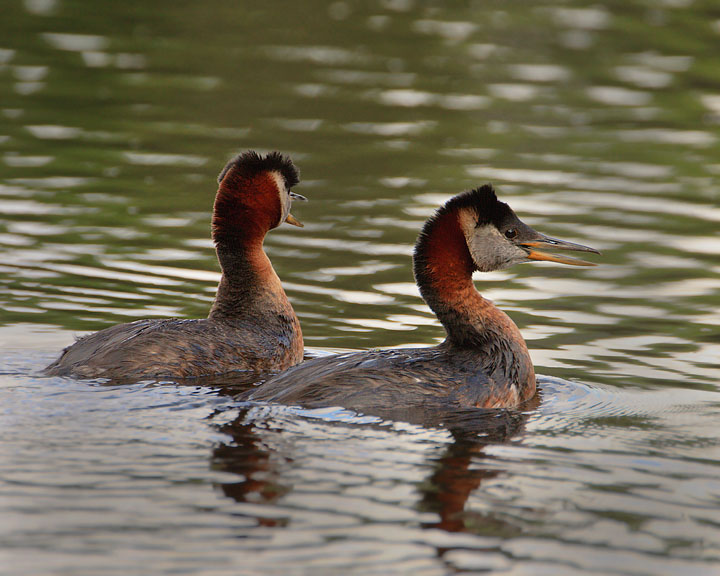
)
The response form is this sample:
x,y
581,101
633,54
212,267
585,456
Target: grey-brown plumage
x,y
388,383
174,348
483,362
251,326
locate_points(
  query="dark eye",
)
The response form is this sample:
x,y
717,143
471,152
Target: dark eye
x,y
510,233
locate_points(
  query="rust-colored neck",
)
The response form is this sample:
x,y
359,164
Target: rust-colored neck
x,y
443,272
245,210
249,287
443,264
443,269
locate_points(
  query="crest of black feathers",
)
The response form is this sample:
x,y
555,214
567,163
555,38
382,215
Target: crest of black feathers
x,y
249,164
482,200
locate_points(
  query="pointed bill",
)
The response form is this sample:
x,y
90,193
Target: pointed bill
x,y
294,221
555,244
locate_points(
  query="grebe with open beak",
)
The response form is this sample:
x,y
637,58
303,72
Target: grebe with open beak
x,y
483,361
251,325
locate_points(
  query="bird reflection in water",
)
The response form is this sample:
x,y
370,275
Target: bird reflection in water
x,y
262,452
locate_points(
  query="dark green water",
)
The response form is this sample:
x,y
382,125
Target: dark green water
x,y
598,122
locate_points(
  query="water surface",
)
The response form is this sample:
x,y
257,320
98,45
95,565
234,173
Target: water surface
x,y
597,122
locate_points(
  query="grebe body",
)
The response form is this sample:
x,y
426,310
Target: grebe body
x,y
483,362
251,325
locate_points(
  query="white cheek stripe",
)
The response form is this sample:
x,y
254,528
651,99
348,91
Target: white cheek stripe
x,y
467,224
284,196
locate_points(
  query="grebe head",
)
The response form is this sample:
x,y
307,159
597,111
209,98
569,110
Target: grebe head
x,y
497,238
254,194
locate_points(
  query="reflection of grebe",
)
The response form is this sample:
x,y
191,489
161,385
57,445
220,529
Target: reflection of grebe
x,y
483,362
251,325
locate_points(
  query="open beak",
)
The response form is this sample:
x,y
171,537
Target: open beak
x,y
290,218
535,253
294,221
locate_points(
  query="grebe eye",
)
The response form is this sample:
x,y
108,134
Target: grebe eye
x,y
510,233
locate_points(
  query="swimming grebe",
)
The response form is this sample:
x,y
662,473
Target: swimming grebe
x,y
251,325
482,363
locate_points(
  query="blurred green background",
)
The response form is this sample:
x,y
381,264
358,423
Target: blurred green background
x,y
598,122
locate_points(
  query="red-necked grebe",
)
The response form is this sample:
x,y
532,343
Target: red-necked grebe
x,y
251,325
482,363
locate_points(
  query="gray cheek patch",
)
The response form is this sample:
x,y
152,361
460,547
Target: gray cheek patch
x,y
285,201
489,249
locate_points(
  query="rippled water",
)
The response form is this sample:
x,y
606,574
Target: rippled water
x,y
597,122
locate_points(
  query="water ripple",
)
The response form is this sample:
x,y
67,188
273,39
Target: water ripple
x,y
589,126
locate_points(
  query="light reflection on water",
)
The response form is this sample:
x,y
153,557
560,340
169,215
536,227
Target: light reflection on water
x,y
597,124
607,475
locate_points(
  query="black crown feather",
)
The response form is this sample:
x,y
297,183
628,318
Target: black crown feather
x,y
249,164
483,202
